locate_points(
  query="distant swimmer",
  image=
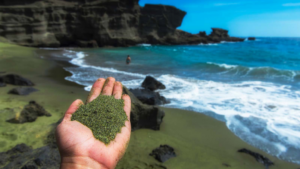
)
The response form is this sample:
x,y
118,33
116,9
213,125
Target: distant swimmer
x,y
128,60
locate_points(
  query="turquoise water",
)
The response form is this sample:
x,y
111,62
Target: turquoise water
x,y
274,60
253,86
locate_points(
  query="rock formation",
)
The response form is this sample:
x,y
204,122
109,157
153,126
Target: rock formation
x,y
163,153
14,79
22,156
29,113
93,23
142,115
152,84
259,158
23,91
149,97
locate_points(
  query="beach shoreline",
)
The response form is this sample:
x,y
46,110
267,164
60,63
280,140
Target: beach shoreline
x,y
198,140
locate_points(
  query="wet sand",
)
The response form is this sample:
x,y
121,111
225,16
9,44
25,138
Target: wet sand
x,y
199,141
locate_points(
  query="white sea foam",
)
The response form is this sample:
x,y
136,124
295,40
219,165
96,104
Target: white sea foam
x,y
78,59
144,44
228,42
263,114
223,65
244,106
208,44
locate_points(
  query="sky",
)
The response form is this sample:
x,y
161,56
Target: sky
x,y
259,18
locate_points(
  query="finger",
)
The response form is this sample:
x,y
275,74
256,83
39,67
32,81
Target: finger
x,y
108,86
127,105
96,90
72,109
117,91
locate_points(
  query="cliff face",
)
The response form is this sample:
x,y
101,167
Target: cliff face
x,y
91,23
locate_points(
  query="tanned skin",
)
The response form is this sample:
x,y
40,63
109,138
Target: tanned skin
x,y
78,147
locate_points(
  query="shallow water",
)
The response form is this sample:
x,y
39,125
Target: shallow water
x,y
253,86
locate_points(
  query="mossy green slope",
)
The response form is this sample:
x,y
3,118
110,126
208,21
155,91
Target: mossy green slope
x,y
105,116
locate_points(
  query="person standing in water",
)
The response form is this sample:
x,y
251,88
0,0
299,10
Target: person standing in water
x,y
128,60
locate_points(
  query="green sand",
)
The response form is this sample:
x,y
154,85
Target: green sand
x,y
52,95
199,141
105,116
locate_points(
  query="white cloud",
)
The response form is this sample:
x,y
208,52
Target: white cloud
x,y
225,4
291,4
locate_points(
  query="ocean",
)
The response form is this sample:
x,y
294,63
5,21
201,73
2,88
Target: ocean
x,y
253,86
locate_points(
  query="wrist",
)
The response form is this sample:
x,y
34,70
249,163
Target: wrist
x,y
80,163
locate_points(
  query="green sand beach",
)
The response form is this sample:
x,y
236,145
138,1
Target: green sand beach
x,y
199,141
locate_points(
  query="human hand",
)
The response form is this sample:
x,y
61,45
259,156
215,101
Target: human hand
x,y
77,145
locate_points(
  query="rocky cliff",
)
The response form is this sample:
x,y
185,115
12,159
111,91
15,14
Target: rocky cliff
x,y
93,23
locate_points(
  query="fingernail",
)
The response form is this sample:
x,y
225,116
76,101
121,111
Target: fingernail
x,y
119,83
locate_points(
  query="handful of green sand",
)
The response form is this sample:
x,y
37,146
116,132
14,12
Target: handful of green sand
x,y
105,116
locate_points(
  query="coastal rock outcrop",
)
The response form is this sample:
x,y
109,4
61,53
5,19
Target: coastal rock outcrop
x,y
219,35
24,157
142,115
14,79
92,23
251,38
259,158
2,84
29,113
23,91
163,153
152,84
149,97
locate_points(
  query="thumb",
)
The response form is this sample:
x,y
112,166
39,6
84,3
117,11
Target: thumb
x,y
72,109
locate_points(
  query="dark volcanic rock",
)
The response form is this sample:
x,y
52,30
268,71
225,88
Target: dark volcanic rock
x,y
142,115
2,84
202,34
219,35
30,113
76,22
22,156
163,153
259,158
182,37
16,80
48,157
88,44
22,91
152,84
251,38
13,153
92,23
161,19
149,97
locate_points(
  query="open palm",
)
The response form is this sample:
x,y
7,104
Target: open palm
x,y
77,145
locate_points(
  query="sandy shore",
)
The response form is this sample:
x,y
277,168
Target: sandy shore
x,y
199,141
